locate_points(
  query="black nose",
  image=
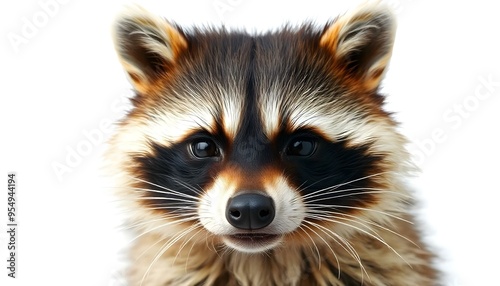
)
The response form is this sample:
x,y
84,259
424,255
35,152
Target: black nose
x,y
250,211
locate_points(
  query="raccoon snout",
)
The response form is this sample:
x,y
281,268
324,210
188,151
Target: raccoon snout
x,y
250,211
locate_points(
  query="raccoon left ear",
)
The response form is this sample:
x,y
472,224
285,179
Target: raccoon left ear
x,y
148,47
361,43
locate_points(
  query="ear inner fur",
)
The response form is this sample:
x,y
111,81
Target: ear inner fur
x,y
361,44
148,47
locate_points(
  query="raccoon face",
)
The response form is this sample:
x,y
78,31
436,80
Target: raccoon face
x,y
256,141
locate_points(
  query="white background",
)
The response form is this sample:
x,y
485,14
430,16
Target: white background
x,y
61,81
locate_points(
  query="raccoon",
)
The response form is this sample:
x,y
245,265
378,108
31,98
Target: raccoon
x,y
265,158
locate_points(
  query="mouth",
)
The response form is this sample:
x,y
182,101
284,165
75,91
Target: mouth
x,y
252,242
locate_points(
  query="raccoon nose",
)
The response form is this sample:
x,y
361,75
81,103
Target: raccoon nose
x,y
250,211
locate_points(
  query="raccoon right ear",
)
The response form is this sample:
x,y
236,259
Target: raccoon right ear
x,y
361,42
148,47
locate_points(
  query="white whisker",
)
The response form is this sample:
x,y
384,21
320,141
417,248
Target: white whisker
x,y
169,192
165,199
175,209
306,196
324,206
373,236
324,217
328,245
338,215
197,225
362,191
136,224
164,249
198,191
313,243
163,188
149,248
170,223
344,243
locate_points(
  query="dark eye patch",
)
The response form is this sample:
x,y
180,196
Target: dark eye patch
x,y
335,173
175,175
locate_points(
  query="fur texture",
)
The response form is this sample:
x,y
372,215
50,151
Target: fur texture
x,y
264,159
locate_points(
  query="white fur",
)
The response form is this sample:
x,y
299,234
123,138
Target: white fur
x,y
289,211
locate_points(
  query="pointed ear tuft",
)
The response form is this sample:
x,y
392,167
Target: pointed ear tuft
x,y
147,45
361,43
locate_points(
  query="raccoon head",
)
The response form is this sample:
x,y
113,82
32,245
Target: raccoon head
x,y
253,141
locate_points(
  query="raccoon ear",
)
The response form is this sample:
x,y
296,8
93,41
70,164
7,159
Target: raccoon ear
x,y
361,43
148,47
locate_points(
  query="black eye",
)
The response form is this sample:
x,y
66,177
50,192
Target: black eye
x,y
301,147
204,148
